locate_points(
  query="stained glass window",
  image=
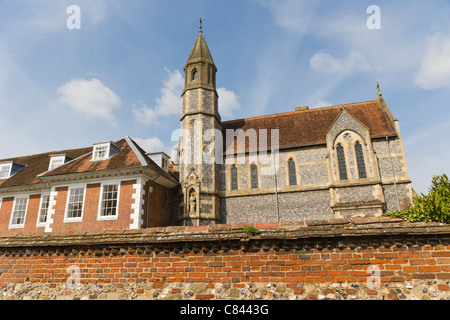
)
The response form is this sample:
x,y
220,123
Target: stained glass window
x,y
360,161
234,178
254,176
292,173
341,162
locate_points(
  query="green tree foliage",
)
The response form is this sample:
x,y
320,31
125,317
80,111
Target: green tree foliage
x,y
432,207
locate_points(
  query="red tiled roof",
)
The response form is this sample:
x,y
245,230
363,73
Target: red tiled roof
x,y
309,127
124,158
37,165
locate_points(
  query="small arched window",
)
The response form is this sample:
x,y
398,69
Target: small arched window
x,y
341,162
254,176
360,160
194,75
292,173
234,178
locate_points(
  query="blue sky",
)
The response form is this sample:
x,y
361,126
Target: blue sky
x,y
121,73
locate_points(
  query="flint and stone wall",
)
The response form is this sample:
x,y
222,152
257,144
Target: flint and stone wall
x,y
316,193
345,259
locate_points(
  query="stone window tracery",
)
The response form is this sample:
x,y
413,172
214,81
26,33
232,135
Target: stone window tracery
x,y
254,176
341,162
360,160
292,173
234,178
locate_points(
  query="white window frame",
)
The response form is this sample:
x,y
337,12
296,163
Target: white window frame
x,y
75,219
100,202
55,159
39,223
5,165
95,156
22,225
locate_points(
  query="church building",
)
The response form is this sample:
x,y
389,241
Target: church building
x,y
338,161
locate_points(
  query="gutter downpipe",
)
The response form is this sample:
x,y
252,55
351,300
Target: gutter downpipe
x,y
276,186
393,173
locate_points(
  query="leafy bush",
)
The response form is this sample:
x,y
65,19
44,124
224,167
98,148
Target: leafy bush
x,y
433,207
251,230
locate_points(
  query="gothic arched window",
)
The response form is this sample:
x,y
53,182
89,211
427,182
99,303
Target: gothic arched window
x,y
360,160
341,162
234,178
254,176
292,173
194,74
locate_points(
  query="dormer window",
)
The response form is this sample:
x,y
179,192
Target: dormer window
x,y
161,159
8,169
103,151
57,161
5,170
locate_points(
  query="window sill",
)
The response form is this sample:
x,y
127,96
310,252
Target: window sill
x,y
107,218
17,226
70,220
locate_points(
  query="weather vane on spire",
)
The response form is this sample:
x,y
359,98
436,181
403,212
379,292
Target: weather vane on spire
x,y
378,89
201,18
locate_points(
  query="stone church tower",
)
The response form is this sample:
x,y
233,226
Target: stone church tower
x,y
200,125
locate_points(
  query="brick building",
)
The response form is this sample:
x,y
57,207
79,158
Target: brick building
x,y
108,186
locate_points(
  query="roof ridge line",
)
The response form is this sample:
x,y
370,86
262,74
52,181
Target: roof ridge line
x,y
136,151
291,112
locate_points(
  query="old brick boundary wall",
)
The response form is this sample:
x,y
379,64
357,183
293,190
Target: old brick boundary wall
x,y
331,259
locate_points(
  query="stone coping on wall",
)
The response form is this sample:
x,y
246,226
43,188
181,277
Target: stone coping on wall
x,y
345,228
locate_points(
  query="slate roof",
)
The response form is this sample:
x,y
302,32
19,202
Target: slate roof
x,y
309,127
36,166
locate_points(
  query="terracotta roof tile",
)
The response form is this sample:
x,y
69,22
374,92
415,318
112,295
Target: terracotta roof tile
x,y
309,127
36,166
125,157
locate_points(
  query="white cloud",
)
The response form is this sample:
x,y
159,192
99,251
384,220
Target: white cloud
x,y
228,102
324,62
321,104
50,16
91,98
434,72
153,144
294,15
168,104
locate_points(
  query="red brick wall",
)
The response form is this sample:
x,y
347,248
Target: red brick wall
x,y
34,203
5,213
90,210
159,210
220,265
159,206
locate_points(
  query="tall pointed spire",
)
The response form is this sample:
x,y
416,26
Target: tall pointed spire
x,y
199,173
200,70
200,51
